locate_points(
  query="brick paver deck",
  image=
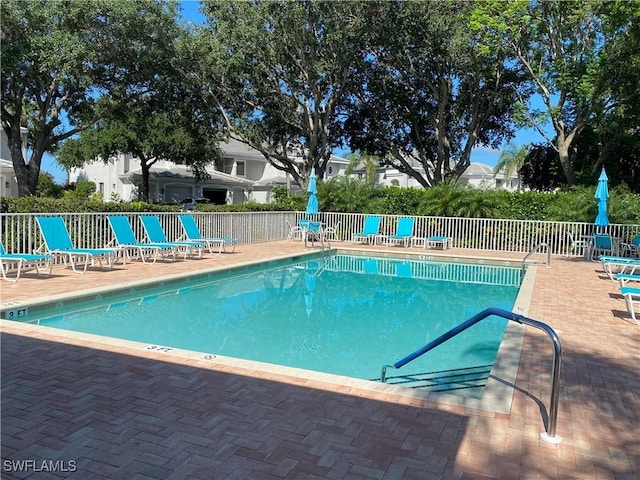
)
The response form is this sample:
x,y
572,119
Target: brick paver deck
x,y
111,411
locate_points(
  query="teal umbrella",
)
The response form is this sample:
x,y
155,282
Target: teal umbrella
x,y
602,194
312,203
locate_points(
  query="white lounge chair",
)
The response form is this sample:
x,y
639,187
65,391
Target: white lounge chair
x,y
222,244
57,242
126,240
632,297
621,264
369,232
403,235
19,262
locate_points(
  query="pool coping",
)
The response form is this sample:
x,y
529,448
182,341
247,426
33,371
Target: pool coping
x,y
497,395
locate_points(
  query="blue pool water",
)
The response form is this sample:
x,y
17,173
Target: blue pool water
x,y
347,315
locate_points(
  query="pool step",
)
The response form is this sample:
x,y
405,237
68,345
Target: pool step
x,y
444,380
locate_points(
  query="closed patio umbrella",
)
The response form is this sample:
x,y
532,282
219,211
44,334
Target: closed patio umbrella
x,y
312,203
602,194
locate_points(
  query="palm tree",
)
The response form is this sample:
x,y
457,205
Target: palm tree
x,y
369,162
511,161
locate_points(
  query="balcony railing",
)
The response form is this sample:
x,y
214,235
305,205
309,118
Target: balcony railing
x,y
20,233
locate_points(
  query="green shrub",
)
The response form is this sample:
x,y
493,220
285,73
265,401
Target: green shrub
x,y
343,194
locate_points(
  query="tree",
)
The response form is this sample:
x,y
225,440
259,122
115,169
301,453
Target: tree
x,y
511,160
369,164
281,71
542,170
428,95
58,59
561,46
167,125
47,186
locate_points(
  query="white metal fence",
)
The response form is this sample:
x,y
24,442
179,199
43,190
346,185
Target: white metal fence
x,y
20,233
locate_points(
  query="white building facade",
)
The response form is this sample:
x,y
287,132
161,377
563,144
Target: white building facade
x,y
246,176
8,182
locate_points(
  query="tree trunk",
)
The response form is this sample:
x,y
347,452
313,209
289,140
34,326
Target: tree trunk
x,y
26,173
565,161
145,167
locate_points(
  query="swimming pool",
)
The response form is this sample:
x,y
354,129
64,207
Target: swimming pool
x,y
341,314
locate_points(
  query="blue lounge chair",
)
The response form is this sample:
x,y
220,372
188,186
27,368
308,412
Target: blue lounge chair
x,y
404,233
625,278
223,244
154,231
126,240
631,296
370,230
57,242
20,262
623,265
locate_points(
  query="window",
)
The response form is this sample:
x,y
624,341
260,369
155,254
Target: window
x,y
227,165
240,169
101,188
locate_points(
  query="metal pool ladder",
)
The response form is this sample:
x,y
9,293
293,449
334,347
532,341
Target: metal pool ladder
x,y
548,436
534,250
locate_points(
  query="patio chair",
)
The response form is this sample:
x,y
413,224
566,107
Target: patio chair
x,y
631,296
19,262
155,234
294,231
602,245
126,240
331,233
313,232
370,230
403,235
57,242
222,244
581,245
633,247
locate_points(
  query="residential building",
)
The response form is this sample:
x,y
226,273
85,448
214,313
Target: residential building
x,y
477,175
245,176
8,182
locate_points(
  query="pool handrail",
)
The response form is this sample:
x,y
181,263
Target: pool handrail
x,y
550,435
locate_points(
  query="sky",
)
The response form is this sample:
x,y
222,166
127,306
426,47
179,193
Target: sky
x,y
190,12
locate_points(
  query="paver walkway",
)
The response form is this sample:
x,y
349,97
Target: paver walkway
x,y
85,409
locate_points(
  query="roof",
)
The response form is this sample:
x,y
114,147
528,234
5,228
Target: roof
x,y
479,169
183,171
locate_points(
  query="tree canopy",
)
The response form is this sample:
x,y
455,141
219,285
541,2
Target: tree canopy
x,y
415,84
571,52
59,59
281,71
428,94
